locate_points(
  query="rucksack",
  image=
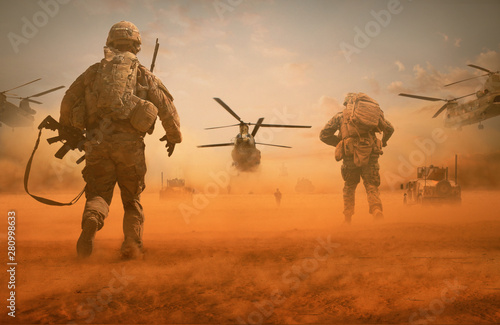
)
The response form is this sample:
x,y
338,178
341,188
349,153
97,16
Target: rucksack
x,y
115,83
360,118
363,112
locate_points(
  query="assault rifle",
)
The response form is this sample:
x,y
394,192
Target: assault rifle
x,y
72,138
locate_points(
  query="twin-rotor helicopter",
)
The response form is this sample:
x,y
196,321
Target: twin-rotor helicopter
x,y
22,115
486,104
246,156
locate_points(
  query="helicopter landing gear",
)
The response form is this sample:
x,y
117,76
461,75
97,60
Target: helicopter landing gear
x,y
480,126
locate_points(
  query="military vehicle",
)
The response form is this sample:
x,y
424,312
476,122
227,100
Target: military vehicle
x,y
485,106
245,155
304,186
433,186
176,187
22,115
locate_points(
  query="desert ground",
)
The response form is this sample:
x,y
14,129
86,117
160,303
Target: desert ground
x,y
241,259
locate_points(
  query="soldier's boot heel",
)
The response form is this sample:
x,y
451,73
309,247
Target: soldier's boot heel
x,y
347,220
377,214
86,241
131,250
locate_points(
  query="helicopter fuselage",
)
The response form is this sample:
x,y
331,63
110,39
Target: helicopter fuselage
x,y
474,111
15,116
22,115
246,156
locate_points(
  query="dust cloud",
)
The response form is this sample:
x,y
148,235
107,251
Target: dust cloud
x,y
229,254
47,173
241,256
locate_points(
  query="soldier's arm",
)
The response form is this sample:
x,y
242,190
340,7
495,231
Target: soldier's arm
x,y
387,129
161,98
327,134
75,93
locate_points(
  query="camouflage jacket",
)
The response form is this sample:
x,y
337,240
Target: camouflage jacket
x,y
336,121
81,91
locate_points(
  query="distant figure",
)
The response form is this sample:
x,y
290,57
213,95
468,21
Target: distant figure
x,y
359,148
277,196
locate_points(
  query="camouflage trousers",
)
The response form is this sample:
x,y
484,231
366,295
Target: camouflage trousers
x,y
119,158
371,180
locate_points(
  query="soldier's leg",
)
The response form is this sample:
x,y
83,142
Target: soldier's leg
x,y
351,175
131,183
100,176
371,181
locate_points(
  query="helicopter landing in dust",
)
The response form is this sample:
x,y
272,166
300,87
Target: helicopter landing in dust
x,y
485,106
22,115
245,155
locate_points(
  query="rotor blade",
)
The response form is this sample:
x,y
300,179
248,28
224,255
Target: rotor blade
x,y
432,99
218,100
440,110
220,127
466,80
26,99
478,67
216,145
285,126
22,85
46,92
272,145
257,126
463,96
31,100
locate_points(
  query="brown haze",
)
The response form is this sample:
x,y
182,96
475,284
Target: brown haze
x,y
240,258
216,257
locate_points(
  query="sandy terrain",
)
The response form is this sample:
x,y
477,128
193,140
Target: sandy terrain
x,y
241,259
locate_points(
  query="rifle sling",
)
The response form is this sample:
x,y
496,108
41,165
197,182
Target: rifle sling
x,y
38,198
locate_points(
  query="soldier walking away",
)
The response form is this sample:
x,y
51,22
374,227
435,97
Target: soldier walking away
x,y
116,102
277,196
359,148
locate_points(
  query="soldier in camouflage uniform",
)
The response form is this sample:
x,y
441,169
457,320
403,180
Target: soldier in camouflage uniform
x,y
115,132
352,170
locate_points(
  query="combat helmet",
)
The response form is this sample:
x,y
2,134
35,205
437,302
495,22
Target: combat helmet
x,y
124,32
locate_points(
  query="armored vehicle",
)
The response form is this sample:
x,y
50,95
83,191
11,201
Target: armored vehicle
x,y
433,186
176,187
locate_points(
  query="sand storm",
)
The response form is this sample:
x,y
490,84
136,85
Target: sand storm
x,y
244,260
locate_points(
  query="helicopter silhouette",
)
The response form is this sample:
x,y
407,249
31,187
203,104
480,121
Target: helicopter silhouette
x,y
486,104
22,115
245,155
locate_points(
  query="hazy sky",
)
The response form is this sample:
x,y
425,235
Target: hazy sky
x,y
266,59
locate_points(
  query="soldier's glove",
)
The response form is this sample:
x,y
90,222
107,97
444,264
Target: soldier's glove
x,y
170,146
384,143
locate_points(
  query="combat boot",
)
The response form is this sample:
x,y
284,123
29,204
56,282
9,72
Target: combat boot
x,y
86,240
347,220
377,214
131,250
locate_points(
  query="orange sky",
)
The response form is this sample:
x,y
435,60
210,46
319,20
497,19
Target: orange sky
x,y
281,60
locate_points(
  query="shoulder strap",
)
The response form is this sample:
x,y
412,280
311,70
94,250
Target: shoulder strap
x,y
38,198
